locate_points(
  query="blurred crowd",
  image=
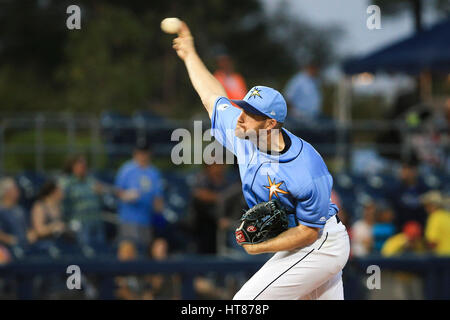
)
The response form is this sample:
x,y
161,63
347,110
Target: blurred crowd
x,y
412,218
67,217
69,209
143,213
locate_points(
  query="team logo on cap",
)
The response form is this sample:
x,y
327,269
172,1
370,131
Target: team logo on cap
x,y
255,93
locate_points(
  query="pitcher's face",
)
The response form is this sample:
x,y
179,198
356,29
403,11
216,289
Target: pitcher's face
x,y
250,125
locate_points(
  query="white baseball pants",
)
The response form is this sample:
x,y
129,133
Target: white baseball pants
x,y
313,272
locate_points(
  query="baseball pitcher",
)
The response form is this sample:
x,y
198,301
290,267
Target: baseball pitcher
x,y
286,185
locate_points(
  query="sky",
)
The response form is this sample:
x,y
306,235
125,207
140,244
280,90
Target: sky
x,y
356,39
351,16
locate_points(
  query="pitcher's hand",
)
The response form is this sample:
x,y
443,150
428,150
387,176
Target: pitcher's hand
x,y
184,43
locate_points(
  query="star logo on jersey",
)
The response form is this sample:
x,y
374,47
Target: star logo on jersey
x,y
274,188
255,93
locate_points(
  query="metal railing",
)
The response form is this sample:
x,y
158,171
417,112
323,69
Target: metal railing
x,y
331,138
434,271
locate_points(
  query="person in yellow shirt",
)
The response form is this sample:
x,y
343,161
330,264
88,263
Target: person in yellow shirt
x,y
437,231
402,284
408,241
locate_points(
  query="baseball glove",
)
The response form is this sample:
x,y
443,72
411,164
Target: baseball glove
x,y
262,222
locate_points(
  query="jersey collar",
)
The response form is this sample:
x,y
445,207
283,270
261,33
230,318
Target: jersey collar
x,y
292,153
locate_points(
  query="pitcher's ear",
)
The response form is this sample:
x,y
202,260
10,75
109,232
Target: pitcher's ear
x,y
272,124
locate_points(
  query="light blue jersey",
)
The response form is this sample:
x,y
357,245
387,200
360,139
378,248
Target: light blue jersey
x,y
298,178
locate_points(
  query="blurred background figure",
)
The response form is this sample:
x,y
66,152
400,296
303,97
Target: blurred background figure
x,y
5,256
140,192
384,225
437,231
362,231
408,241
14,230
405,197
401,284
128,287
161,286
146,287
82,202
303,94
233,82
208,212
46,214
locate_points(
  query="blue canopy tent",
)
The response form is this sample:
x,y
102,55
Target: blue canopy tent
x,y
421,54
428,50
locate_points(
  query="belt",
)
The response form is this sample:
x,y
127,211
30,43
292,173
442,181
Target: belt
x,y
337,218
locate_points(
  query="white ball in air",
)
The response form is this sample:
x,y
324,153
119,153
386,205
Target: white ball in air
x,y
171,25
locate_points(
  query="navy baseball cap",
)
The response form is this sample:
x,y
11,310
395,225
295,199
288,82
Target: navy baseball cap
x,y
264,101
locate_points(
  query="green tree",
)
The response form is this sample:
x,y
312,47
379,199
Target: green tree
x,y
106,63
120,59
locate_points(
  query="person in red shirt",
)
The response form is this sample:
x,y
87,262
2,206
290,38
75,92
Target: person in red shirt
x,y
233,82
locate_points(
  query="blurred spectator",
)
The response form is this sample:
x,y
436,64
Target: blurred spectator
x,y
14,232
162,286
82,202
5,256
303,94
343,215
232,81
207,288
437,232
211,182
362,231
46,215
404,101
405,197
147,287
128,287
428,136
408,241
336,199
140,192
401,284
384,226
367,162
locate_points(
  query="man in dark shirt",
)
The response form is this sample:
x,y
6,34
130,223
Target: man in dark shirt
x,y
406,196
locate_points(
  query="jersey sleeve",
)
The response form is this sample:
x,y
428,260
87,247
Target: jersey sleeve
x,y
223,123
314,206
